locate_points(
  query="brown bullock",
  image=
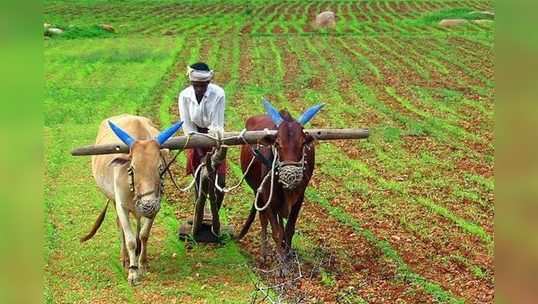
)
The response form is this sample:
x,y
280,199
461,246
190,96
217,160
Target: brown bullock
x,y
290,155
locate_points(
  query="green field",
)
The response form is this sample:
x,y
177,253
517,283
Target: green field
x,y
404,217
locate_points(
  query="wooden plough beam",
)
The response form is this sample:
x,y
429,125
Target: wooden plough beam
x,y
229,139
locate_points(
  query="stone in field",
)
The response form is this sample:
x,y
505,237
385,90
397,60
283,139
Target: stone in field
x,y
452,22
107,27
53,31
326,19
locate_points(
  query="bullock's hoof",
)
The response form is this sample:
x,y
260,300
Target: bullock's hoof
x,y
284,270
134,277
264,254
142,269
265,258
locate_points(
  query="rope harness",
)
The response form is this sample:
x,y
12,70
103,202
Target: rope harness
x,y
271,174
290,173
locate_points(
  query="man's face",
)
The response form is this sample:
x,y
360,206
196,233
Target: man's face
x,y
199,87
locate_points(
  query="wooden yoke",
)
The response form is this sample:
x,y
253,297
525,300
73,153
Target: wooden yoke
x,y
229,139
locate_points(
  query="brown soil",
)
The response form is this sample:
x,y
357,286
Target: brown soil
x,y
354,263
313,11
430,244
414,146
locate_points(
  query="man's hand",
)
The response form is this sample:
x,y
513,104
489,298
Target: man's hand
x,y
216,132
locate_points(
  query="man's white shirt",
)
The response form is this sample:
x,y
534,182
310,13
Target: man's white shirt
x,y
209,113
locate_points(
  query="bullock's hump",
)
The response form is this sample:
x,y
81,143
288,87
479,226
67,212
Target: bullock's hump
x,y
260,122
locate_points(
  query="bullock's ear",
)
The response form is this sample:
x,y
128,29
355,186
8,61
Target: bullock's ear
x,y
122,135
272,112
166,134
309,114
119,161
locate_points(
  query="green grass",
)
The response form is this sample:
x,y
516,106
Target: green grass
x,y
454,13
81,32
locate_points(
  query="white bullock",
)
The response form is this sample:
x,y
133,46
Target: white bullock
x,y
133,181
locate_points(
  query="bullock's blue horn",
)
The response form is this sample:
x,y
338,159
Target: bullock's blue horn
x,y
272,112
309,114
122,135
166,134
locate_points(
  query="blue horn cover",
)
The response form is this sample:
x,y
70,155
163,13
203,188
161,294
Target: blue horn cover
x,y
122,135
309,114
166,134
272,112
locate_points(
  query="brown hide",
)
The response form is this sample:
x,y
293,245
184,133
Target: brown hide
x,y
289,141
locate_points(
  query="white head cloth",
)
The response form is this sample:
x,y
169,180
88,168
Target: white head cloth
x,y
198,75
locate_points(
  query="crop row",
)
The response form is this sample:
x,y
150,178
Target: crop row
x,y
361,17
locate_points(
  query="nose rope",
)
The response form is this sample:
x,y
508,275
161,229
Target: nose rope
x,y
139,196
147,208
218,141
130,171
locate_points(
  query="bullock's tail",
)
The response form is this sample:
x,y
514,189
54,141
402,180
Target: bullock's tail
x,y
96,225
248,223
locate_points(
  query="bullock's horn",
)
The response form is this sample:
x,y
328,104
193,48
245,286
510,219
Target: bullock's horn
x,y
166,134
272,112
309,114
122,135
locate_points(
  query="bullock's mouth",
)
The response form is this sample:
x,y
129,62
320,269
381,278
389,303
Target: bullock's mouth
x,y
290,176
291,173
148,203
148,207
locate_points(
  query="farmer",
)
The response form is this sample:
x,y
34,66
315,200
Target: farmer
x,y
201,108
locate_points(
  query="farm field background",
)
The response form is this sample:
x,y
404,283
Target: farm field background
x,y
403,217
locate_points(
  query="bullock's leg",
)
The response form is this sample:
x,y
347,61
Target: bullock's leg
x,y
263,235
278,236
277,231
147,223
130,240
124,257
138,242
292,219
